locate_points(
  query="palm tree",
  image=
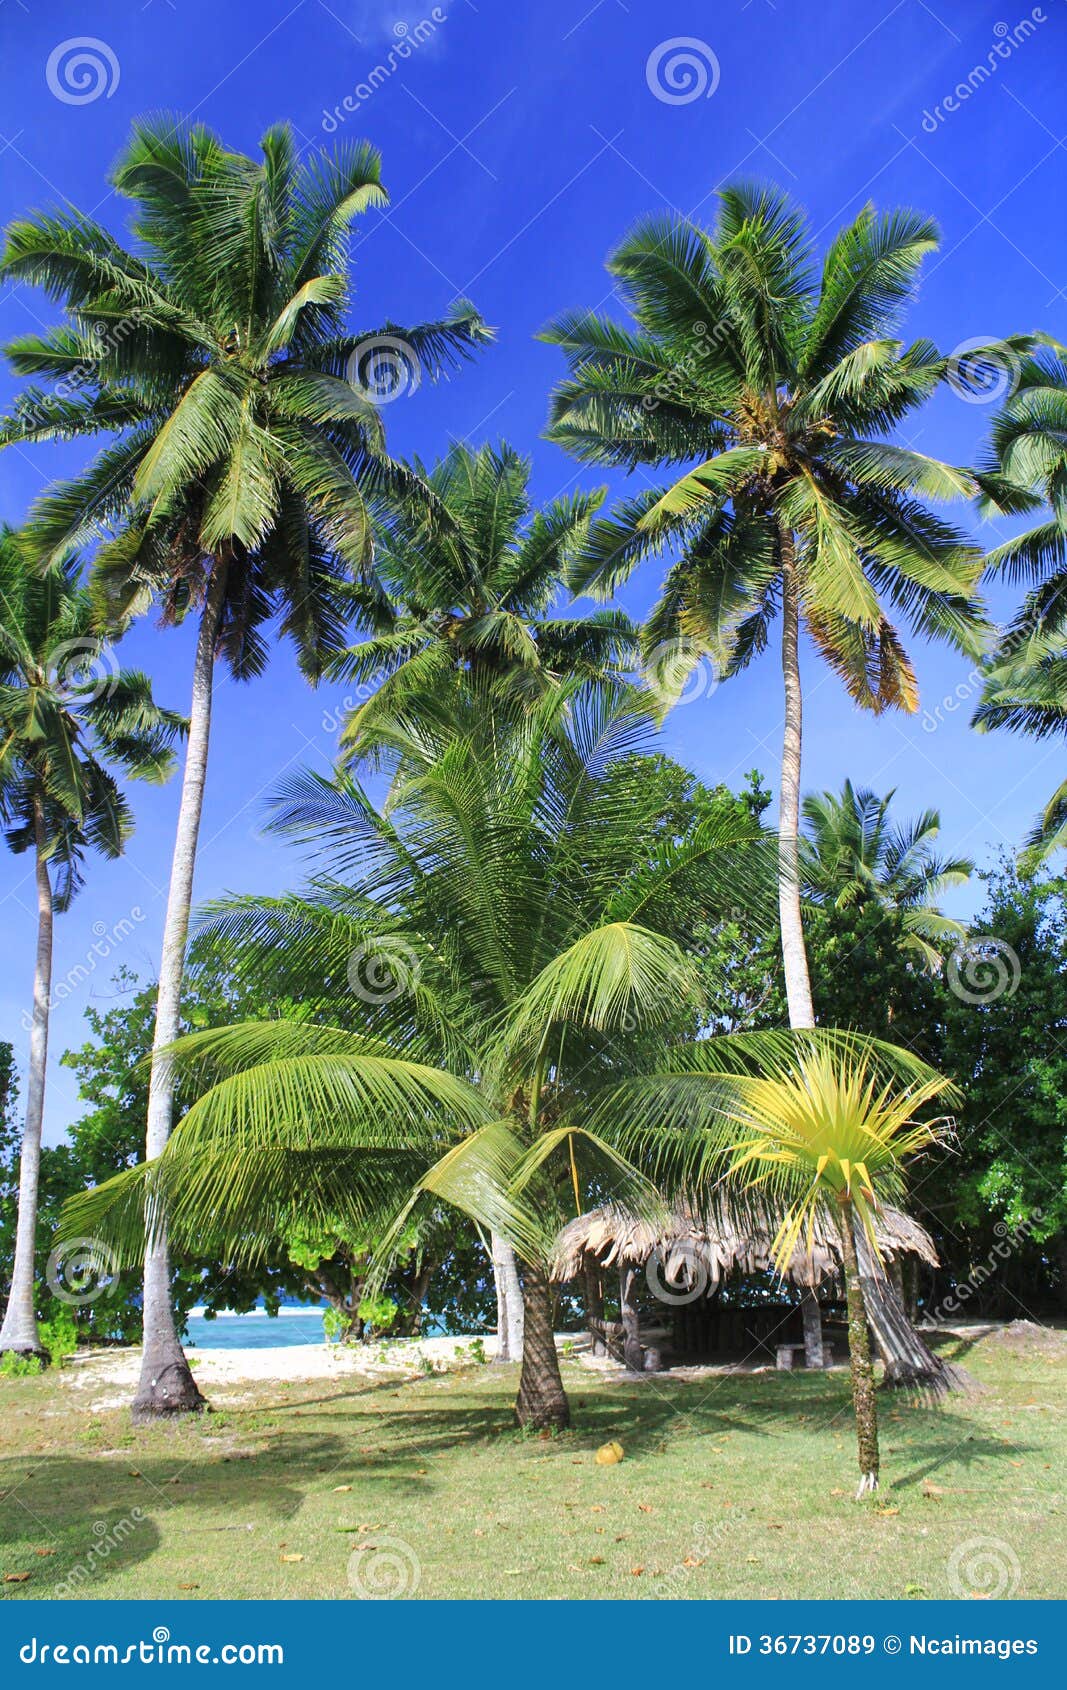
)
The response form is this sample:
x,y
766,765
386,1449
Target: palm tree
x,y
508,920
1026,684
776,391
469,582
851,854
466,585
826,1122
67,718
240,483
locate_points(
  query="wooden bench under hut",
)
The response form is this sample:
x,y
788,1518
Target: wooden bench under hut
x,y
686,1267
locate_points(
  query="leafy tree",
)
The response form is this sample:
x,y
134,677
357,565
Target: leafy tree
x,y
1005,1045
67,724
776,391
240,481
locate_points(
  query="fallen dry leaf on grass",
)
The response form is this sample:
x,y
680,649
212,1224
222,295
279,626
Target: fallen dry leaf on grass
x,y
16,1578
44,1552
292,1557
337,1488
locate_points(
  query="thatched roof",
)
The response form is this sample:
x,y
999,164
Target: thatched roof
x,y
718,1244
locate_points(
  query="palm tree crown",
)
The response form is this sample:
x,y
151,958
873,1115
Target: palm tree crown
x,y
469,581
851,853
68,716
779,387
216,351
1026,686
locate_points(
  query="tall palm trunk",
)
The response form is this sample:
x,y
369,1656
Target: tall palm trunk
x,y
907,1359
859,1356
509,1310
794,951
19,1330
542,1402
166,1384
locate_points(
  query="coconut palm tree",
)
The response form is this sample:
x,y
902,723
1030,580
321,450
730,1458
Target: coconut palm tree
x,y
469,582
1026,684
826,1123
69,716
773,393
240,482
851,854
507,919
468,585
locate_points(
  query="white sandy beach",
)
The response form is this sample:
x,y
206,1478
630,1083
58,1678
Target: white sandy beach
x,y
108,1376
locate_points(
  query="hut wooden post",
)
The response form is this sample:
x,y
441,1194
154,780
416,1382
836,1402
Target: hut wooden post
x,y
594,1307
811,1313
633,1354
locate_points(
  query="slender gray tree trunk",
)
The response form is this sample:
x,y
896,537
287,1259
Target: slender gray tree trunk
x,y
166,1385
794,951
811,1314
509,1307
19,1330
631,1323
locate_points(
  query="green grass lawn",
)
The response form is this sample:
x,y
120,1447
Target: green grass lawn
x,y
736,1486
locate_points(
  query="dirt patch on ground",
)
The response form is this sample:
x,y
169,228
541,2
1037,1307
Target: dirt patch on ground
x,y
1025,1337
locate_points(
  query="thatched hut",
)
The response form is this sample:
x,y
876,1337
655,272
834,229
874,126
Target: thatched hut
x,y
686,1263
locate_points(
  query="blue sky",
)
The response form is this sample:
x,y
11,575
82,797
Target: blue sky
x,y
519,142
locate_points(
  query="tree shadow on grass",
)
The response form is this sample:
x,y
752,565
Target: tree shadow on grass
x,y
97,1518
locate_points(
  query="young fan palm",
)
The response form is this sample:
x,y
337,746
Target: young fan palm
x,y
470,583
775,389
1026,688
518,918
828,1122
67,718
850,853
240,482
